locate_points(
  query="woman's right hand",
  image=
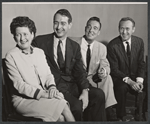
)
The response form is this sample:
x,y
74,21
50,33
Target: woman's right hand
x,y
52,94
44,94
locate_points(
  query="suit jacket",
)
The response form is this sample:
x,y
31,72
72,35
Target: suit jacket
x,y
74,71
119,61
98,60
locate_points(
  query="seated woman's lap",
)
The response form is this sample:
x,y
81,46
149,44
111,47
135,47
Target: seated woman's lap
x,y
46,109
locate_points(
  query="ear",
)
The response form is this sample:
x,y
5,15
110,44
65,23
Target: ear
x,y
32,35
70,25
99,32
133,30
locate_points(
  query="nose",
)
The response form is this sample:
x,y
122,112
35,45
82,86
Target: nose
x,y
22,37
58,26
91,29
124,31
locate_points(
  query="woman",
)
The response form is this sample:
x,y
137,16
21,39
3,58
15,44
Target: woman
x,y
34,90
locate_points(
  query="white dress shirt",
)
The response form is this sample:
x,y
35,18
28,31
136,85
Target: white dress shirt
x,y
125,44
84,47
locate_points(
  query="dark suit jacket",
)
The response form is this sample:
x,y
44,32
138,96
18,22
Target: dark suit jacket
x,y
119,61
74,71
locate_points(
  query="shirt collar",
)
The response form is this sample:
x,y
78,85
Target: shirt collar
x,y
56,40
86,43
25,52
128,41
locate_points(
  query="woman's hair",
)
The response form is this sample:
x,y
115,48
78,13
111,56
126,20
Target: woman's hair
x,y
22,21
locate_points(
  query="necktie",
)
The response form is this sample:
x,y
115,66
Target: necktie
x,y
88,57
128,51
60,58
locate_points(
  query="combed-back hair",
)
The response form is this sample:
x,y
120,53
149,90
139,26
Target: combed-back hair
x,y
127,19
64,12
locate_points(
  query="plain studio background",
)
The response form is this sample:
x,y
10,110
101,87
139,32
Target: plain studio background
x,y
109,14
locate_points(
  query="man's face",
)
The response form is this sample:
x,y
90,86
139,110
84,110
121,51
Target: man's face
x,y
61,26
92,30
126,29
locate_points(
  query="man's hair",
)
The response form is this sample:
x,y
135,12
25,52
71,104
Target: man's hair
x,y
127,19
22,21
64,12
95,19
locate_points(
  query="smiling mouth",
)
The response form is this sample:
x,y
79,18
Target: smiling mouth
x,y
90,34
59,31
23,42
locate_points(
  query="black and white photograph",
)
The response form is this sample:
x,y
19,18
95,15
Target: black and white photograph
x,y
74,62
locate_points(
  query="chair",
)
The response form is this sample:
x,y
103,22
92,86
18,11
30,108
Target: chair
x,y
8,112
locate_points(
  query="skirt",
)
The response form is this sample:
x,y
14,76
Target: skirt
x,y
49,110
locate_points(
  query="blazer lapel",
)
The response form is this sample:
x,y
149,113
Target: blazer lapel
x,y
69,54
93,58
79,42
123,52
133,50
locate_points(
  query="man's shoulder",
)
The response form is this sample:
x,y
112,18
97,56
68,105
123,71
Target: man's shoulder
x,y
73,42
99,44
44,36
115,40
136,38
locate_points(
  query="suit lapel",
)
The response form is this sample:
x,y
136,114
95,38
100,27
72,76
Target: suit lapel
x,y
94,57
133,46
122,51
69,54
50,49
79,42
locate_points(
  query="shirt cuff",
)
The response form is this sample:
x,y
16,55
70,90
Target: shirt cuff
x,y
139,79
38,94
125,79
52,85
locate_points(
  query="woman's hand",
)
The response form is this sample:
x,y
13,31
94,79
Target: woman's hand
x,y
44,94
54,93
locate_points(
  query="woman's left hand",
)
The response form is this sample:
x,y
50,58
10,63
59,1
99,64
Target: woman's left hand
x,y
53,92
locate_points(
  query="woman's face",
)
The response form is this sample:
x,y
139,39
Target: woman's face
x,y
23,38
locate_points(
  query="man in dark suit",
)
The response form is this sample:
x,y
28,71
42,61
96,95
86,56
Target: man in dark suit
x,y
64,58
126,57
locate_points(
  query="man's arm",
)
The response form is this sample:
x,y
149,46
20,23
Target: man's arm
x,y
78,72
112,58
141,63
104,68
